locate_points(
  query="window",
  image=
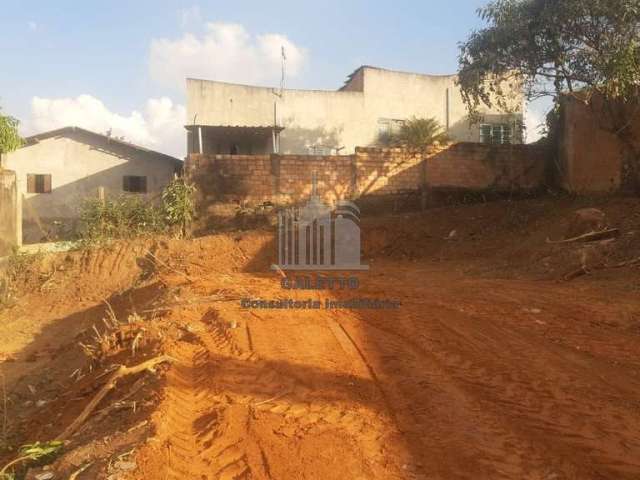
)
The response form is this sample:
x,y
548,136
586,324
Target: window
x,y
37,183
320,150
496,133
134,184
389,126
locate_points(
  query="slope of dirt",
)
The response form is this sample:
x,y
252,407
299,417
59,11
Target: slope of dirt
x,y
491,368
506,238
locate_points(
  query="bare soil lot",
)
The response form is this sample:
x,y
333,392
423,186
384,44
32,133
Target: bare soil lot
x,y
493,367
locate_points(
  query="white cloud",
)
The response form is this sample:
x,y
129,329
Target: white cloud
x,y
225,52
160,127
33,26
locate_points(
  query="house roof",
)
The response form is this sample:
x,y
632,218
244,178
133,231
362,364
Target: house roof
x,y
33,139
371,67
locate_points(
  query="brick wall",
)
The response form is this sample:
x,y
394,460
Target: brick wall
x,y
592,158
477,166
370,172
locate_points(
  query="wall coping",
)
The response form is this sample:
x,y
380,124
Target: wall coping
x,y
379,150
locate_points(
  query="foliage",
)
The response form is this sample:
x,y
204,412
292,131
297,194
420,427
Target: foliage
x,y
417,133
131,216
587,49
553,47
10,139
177,199
42,452
18,264
123,217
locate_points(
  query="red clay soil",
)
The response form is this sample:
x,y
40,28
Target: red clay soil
x,y
491,368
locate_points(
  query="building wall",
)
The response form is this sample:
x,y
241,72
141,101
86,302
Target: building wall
x,y
340,119
8,212
78,164
591,158
370,172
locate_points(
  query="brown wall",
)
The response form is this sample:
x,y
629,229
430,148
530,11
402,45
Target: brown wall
x,y
370,172
8,212
591,157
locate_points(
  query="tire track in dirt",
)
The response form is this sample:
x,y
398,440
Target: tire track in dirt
x,y
553,408
186,398
542,416
448,430
341,398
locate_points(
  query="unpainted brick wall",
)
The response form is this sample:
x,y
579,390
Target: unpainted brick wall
x,y
592,157
285,179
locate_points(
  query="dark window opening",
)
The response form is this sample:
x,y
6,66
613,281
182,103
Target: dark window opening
x,y
134,184
38,183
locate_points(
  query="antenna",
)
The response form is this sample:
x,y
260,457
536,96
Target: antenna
x,y
284,64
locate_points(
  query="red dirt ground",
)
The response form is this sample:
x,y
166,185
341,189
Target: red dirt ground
x,y
493,367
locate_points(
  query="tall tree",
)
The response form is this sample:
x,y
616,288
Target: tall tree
x,y
9,137
586,48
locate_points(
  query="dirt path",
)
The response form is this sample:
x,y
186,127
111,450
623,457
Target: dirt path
x,y
469,379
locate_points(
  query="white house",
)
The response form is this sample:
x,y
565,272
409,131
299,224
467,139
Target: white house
x,y
57,170
231,118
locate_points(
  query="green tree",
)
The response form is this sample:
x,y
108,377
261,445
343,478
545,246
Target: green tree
x,y
417,133
588,49
9,137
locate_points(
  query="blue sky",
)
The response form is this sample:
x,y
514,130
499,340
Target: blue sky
x,y
120,64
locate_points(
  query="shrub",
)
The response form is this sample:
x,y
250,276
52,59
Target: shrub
x,y
177,201
416,133
129,216
123,217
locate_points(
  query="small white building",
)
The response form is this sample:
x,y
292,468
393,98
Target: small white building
x,y
57,170
229,118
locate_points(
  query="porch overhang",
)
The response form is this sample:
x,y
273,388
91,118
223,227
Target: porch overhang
x,y
235,129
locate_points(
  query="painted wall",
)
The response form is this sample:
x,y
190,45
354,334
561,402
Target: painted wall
x,y
340,119
78,164
8,212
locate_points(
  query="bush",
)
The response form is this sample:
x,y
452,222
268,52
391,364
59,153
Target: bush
x,y
177,201
15,268
129,216
123,217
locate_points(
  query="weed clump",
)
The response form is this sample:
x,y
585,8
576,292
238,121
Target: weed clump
x,y
128,216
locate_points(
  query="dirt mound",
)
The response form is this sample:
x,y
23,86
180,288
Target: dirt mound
x,y
509,238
